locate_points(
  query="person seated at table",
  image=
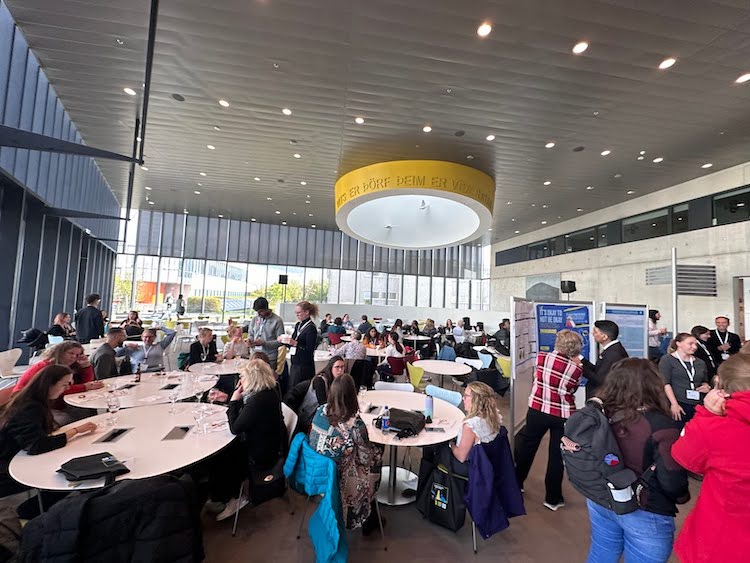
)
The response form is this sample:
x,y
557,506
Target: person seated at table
x,y
236,346
315,393
480,426
338,432
325,323
346,322
372,339
364,326
429,328
69,354
337,327
394,350
398,328
354,349
132,320
150,356
254,413
28,421
61,326
458,332
104,358
414,328
204,348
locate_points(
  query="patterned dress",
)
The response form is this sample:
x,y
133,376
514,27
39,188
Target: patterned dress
x,y
358,463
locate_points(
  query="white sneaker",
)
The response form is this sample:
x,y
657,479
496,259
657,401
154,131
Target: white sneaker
x,y
214,506
552,507
232,507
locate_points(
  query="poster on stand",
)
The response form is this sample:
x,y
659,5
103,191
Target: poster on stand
x,y
632,321
551,318
523,359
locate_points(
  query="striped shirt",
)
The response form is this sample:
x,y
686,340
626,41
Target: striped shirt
x,y
555,381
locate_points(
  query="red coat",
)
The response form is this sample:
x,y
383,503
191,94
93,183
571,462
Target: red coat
x,y
81,376
717,447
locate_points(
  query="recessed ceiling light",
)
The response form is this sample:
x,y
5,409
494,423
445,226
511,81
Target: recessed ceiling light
x,y
618,175
631,192
148,188
297,155
514,219
119,41
185,211
269,199
197,192
307,201
309,214
256,179
707,165
489,229
547,183
138,139
580,47
490,137
200,184
283,222
313,226
217,128
278,212
666,63
484,29
129,91
509,203
211,147
286,111
658,159
533,205
653,224
545,206
742,79
276,65
470,157
150,202
549,145
606,152
224,103
144,168
220,216
359,120
303,183
579,209
252,219
516,232
202,173
643,152
589,188
641,157
426,128
740,204
544,222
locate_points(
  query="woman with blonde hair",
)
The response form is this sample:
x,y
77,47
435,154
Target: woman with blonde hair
x,y
61,326
254,413
303,342
552,401
236,346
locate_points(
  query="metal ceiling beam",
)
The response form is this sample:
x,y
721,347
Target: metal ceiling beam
x,y
68,213
20,139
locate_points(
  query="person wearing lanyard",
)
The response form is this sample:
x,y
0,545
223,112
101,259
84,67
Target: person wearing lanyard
x,y
684,377
723,343
265,330
702,334
303,342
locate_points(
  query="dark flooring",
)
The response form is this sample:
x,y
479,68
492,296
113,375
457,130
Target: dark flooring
x,y
268,533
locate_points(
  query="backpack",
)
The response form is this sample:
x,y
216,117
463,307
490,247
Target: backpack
x,y
594,462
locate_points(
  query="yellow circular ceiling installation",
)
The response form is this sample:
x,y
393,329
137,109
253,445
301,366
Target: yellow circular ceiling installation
x,y
415,204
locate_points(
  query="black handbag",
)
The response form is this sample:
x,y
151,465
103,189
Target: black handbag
x,y
441,498
267,484
406,423
93,466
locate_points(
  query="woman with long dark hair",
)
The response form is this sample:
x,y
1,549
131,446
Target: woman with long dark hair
x,y
634,400
317,392
702,334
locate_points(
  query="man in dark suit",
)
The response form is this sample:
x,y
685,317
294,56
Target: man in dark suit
x,y
89,321
605,333
723,343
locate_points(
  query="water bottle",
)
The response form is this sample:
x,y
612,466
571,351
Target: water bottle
x,y
386,418
428,402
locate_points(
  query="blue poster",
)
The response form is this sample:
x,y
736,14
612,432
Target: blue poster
x,y
551,319
633,328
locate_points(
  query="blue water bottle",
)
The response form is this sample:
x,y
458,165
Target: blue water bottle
x,y
386,418
428,402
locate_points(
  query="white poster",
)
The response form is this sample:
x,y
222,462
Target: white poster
x,y
632,321
523,357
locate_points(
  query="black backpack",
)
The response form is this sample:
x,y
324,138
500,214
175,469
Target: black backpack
x,y
594,462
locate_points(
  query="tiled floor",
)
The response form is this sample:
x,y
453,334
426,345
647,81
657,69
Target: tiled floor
x,y
268,533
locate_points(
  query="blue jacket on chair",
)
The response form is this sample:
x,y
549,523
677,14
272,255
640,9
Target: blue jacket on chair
x,y
312,474
492,494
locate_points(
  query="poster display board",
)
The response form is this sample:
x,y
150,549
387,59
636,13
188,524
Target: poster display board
x,y
523,359
633,323
551,318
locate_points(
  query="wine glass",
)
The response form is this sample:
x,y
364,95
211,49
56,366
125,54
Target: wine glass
x,y
173,395
198,417
113,405
362,392
198,392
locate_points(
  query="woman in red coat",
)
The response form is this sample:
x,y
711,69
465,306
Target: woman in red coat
x,y
715,445
70,354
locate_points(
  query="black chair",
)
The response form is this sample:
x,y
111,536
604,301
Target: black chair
x,y
363,372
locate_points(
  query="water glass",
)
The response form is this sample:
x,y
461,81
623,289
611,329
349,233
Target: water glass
x,y
174,394
113,405
362,392
198,417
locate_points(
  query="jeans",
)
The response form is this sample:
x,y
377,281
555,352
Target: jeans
x,y
527,444
645,537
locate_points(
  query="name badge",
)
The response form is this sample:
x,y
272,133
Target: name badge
x,y
724,356
292,350
258,348
693,395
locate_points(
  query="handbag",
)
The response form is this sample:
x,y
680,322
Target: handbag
x,y
93,466
405,423
441,498
267,484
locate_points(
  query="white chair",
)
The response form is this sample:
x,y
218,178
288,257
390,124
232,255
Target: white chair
x,y
476,364
52,340
8,359
98,341
452,397
387,386
290,420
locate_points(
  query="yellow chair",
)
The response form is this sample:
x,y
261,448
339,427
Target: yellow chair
x,y
170,324
415,376
224,338
281,360
503,362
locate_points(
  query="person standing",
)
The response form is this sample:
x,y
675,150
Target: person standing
x,y
502,336
634,401
723,343
684,378
264,330
303,342
655,334
551,403
89,321
180,306
610,352
702,334
104,358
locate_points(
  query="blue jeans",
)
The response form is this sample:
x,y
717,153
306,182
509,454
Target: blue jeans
x,y
645,537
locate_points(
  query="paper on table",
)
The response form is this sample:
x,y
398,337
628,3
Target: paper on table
x,y
149,399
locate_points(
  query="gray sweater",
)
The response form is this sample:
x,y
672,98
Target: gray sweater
x,y
675,375
268,330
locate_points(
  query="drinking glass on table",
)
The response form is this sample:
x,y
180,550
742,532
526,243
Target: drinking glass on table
x,y
362,392
173,395
113,405
198,392
198,417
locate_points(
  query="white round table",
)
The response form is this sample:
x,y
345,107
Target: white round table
x,y
227,367
395,480
346,338
149,391
322,357
142,449
416,338
443,368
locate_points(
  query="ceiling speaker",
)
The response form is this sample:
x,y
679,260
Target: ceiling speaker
x,y
284,279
